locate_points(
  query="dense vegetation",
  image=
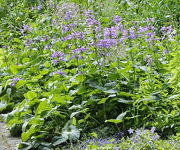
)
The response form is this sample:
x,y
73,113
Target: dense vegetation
x,y
75,70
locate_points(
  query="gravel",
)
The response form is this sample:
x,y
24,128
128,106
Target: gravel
x,y
7,142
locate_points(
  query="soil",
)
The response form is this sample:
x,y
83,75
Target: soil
x,y
7,142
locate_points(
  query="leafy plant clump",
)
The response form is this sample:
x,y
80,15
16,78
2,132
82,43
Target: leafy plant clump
x,y
65,74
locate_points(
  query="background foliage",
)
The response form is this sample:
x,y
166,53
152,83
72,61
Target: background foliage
x,y
68,69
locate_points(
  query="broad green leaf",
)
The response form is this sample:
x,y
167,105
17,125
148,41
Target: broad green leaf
x,y
124,101
60,140
74,121
3,104
20,84
44,72
111,91
14,69
26,135
74,113
31,95
47,64
58,98
43,106
35,78
110,85
121,116
71,132
94,135
25,60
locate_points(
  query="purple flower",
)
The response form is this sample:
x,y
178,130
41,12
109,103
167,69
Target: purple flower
x,y
83,49
91,44
155,137
88,13
98,29
30,29
125,34
131,131
107,33
149,60
60,72
150,19
106,43
153,129
165,51
132,33
55,62
73,56
117,19
32,8
12,84
25,28
138,132
79,57
114,32
79,72
15,80
68,16
39,7
54,22
99,36
64,28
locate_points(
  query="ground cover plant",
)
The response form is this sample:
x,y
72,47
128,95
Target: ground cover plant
x,y
74,69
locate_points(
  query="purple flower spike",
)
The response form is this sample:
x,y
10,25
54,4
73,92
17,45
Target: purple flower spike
x,y
131,131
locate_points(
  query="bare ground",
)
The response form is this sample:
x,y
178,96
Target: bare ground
x,y
7,142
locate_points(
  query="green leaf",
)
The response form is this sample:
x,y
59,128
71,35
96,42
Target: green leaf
x,y
43,106
47,64
25,60
60,140
35,78
20,84
94,135
58,98
71,132
103,100
119,118
124,101
1,89
114,121
14,69
8,92
31,95
111,91
26,135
